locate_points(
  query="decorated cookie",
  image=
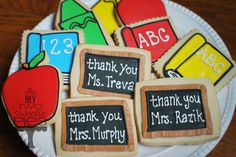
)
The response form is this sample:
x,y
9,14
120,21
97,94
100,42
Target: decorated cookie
x,y
105,11
194,57
131,11
177,111
108,70
73,15
102,126
156,35
59,45
32,95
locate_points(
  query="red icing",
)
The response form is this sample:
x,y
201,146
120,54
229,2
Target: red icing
x,y
131,11
156,37
129,37
31,96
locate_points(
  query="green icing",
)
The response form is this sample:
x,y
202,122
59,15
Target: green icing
x,y
70,9
74,16
37,60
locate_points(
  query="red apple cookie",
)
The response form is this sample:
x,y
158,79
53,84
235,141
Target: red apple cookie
x,y
32,95
139,10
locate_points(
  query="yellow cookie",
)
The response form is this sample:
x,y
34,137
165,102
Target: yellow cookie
x,y
194,57
105,11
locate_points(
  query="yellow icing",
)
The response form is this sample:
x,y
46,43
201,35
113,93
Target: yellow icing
x,y
197,58
105,11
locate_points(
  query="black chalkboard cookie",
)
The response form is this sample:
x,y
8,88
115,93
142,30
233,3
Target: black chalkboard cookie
x,y
177,111
103,126
108,70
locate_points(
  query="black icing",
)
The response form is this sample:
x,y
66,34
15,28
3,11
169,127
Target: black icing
x,y
174,115
88,129
124,80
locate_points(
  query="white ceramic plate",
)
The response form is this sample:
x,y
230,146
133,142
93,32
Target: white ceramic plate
x,y
184,20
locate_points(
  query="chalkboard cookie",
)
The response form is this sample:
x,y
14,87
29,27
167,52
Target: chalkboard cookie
x,y
74,15
156,35
32,94
108,70
59,46
177,111
100,126
195,57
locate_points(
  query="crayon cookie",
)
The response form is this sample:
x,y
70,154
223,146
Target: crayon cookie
x,y
105,11
73,14
156,35
27,97
59,46
108,70
177,111
100,126
194,57
131,11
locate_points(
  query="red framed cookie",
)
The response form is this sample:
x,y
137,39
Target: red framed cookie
x,y
157,35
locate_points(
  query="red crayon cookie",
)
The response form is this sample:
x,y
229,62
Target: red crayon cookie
x,y
156,35
139,10
32,95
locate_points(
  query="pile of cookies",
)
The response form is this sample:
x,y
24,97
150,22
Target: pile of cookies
x,y
129,76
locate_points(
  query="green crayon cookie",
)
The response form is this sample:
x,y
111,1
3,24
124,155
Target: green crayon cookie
x,y
73,15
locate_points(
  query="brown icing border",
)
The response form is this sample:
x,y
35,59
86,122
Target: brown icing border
x,y
181,133
88,148
142,62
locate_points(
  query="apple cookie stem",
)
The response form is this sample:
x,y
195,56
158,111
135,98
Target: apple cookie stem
x,y
35,61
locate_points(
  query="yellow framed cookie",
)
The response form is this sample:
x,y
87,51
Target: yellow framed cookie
x,y
195,57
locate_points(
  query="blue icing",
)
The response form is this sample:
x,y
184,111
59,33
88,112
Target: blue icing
x,y
59,47
33,46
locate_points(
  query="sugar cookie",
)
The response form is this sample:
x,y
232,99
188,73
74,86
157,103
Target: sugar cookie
x,y
195,57
177,111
